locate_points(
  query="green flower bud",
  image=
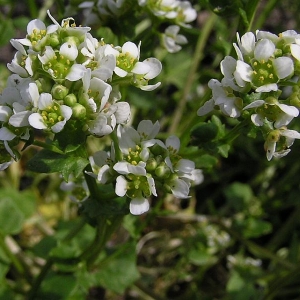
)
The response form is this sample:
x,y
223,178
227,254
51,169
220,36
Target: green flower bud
x,y
78,111
273,136
70,100
162,171
296,67
271,100
72,40
157,150
54,40
151,164
59,92
294,100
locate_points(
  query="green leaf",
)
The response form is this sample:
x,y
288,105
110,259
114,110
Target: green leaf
x,y
11,217
255,228
119,271
6,292
223,150
56,286
238,195
206,161
95,208
200,256
47,161
24,200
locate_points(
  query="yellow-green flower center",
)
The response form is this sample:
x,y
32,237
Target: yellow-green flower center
x,y
125,61
263,72
133,156
51,115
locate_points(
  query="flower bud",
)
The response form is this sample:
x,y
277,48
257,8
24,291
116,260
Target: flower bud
x,y
70,100
151,164
72,39
54,40
273,136
157,150
294,100
162,171
78,111
59,92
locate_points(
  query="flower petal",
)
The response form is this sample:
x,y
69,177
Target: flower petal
x,y
283,66
121,186
139,206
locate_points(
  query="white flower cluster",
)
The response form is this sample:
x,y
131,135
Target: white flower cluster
x,y
145,163
181,12
63,76
254,83
178,13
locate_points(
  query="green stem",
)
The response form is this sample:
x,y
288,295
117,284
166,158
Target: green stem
x,y
251,11
105,228
236,131
14,259
39,279
265,13
50,261
118,153
201,43
91,181
256,249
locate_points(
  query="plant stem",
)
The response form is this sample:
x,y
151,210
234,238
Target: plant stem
x,y
236,131
201,43
254,248
46,268
91,181
39,279
14,259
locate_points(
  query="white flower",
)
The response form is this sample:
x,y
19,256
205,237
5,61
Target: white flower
x,y
104,161
37,35
20,66
69,27
186,13
273,138
131,140
61,65
232,78
272,110
171,40
263,71
96,91
183,170
51,115
100,58
138,190
223,97
127,60
104,123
